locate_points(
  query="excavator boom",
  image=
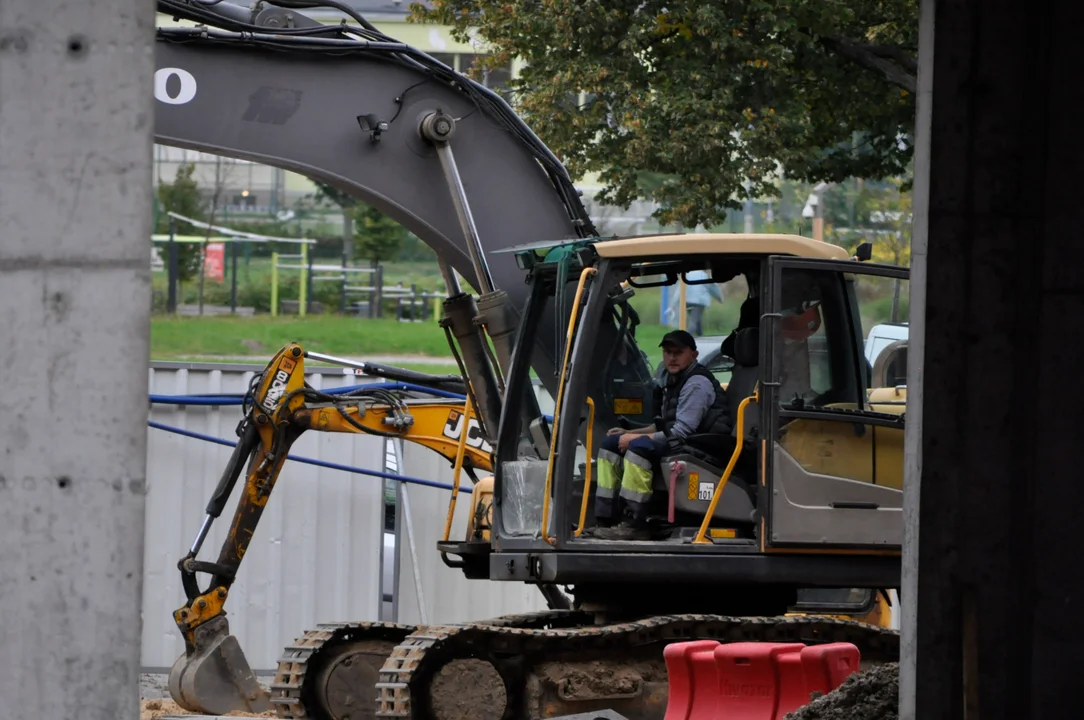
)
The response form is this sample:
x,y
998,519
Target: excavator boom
x,y
213,675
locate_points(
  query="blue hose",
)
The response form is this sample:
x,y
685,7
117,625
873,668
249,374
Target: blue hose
x,y
307,461
213,399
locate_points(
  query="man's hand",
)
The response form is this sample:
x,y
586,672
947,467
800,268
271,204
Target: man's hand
x,y
623,442
615,431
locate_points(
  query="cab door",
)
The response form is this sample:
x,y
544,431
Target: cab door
x,y
832,464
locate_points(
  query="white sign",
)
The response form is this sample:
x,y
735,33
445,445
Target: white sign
x,y
705,491
185,93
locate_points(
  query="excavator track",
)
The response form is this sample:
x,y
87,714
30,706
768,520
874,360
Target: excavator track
x,y
324,673
319,676
549,664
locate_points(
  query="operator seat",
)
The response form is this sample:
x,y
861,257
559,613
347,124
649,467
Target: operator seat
x,y
716,449
748,317
708,454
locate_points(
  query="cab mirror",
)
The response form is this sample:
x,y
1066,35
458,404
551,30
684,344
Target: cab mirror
x,y
864,252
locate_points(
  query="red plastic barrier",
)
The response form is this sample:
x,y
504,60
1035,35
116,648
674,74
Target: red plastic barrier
x,y
751,681
827,666
793,684
690,667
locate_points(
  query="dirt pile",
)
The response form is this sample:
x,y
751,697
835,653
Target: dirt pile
x,y
869,695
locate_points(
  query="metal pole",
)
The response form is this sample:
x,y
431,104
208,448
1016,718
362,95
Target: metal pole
x,y
422,613
233,276
72,502
173,269
302,291
378,283
274,284
308,281
682,319
342,286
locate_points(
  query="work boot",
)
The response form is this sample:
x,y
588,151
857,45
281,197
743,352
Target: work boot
x,y
625,530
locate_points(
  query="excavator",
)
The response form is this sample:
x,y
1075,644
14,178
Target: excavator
x,y
789,528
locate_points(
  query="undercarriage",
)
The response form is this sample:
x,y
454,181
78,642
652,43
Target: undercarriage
x,y
539,665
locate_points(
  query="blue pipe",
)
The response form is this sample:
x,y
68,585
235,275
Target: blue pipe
x,y
224,399
307,461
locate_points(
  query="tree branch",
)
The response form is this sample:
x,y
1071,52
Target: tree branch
x,y
898,67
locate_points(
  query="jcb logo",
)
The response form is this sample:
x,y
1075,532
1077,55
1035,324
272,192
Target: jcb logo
x,y
454,427
278,387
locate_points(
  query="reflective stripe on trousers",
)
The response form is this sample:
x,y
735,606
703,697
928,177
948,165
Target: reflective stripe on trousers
x,y
607,505
636,481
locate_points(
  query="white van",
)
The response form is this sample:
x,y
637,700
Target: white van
x,y
880,336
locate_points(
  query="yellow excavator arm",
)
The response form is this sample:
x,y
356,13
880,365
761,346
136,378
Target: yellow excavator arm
x,y
277,411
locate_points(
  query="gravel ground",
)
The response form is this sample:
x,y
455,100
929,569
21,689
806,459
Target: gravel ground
x,y
154,700
156,687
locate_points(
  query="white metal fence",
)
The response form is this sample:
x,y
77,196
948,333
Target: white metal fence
x,y
445,595
317,553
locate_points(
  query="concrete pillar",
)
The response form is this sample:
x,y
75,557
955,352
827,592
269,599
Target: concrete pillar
x,y
1000,584
76,94
915,376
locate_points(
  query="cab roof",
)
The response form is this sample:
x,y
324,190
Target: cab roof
x,y
712,243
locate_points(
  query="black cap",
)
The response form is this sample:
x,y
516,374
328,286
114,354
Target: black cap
x,y
681,338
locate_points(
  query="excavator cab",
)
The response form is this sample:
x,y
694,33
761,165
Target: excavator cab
x,y
804,492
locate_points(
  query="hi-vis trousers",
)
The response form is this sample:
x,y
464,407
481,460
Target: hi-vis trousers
x,y
626,481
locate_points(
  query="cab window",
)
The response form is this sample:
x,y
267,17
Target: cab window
x,y
815,344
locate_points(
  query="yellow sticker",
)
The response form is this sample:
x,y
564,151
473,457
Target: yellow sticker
x,y
721,533
628,406
694,486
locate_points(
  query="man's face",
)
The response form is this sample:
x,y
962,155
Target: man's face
x,y
677,359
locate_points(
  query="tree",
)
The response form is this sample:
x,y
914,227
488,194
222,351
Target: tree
x,y
378,237
875,212
183,197
367,232
348,204
222,173
704,94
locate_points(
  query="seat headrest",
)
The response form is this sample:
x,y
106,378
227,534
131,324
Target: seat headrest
x,y
747,347
749,314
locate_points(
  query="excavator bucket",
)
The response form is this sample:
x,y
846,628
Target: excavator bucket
x,y
213,677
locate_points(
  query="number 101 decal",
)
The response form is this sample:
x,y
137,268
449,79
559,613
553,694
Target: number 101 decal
x,y
454,426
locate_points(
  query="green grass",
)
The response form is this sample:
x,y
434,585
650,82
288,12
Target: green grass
x,y
262,336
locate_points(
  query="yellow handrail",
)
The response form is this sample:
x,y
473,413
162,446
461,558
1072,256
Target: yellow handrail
x,y
569,334
459,453
755,397
590,452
